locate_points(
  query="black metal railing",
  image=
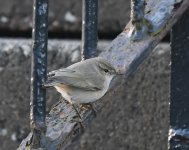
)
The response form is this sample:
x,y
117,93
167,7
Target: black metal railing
x,y
179,97
39,71
89,28
179,70
39,59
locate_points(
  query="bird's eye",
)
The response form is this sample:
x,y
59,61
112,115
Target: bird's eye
x,y
106,70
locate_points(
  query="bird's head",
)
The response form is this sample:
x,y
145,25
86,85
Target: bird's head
x,y
105,67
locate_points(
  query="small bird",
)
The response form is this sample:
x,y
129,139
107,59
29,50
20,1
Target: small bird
x,y
83,82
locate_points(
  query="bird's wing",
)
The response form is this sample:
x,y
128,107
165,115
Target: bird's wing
x,y
72,78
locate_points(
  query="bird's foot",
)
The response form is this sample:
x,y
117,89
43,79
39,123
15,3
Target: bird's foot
x,y
89,106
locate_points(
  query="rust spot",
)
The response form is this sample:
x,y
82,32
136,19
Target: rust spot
x,y
54,109
126,29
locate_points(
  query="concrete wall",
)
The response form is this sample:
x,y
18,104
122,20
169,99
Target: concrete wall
x,y
135,119
64,15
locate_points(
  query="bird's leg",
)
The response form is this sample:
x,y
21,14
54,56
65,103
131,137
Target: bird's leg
x,y
77,111
81,120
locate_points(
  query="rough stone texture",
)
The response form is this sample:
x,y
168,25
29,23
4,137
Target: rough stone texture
x,y
64,15
136,117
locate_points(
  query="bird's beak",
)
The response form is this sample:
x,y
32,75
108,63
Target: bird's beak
x,y
118,73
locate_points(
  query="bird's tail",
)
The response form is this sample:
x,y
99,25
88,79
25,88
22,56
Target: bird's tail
x,y
49,83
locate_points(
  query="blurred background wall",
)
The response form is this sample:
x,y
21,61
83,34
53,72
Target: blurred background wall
x,y
64,17
136,117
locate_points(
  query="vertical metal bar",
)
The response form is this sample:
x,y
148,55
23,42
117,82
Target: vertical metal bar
x,y
137,10
179,104
89,28
38,70
141,26
137,16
